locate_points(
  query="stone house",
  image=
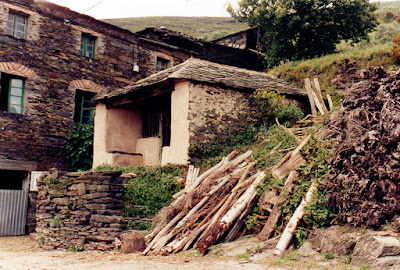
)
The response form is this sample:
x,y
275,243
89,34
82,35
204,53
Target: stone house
x,y
245,40
53,61
217,51
157,119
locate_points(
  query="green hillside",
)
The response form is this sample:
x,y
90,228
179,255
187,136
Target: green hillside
x,y
207,28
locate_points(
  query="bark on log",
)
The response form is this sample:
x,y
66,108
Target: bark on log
x,y
228,203
294,221
163,232
273,218
215,233
162,242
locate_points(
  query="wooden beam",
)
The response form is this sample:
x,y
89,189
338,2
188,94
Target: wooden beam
x,y
17,165
307,84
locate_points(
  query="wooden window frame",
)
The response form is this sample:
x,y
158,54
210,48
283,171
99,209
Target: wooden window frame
x,y
15,24
84,46
8,102
162,63
80,108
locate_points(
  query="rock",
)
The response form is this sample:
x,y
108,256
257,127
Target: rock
x,y
81,190
379,251
333,240
106,219
60,201
132,242
396,224
307,249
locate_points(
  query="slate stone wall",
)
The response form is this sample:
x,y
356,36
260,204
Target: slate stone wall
x,y
216,113
52,51
80,210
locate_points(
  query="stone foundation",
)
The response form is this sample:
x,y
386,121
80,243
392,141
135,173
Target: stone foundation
x,y
80,211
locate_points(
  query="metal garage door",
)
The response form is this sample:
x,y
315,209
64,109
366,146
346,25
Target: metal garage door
x,y
13,210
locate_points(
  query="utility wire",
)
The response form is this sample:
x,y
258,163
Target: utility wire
x,y
93,6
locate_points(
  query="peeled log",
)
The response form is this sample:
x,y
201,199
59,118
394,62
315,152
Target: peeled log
x,y
294,221
226,221
290,161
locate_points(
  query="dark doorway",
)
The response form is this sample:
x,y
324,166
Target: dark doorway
x,y
12,179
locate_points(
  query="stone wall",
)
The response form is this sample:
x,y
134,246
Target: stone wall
x,y
80,210
51,53
216,113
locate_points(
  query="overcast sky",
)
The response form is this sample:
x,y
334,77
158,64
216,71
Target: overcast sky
x,y
143,8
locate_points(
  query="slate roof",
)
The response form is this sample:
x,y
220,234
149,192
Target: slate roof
x,y
204,71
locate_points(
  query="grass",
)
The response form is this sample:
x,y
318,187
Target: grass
x,y
325,68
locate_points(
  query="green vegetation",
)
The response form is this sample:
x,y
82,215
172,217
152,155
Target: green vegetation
x,y
207,28
79,149
149,191
76,248
303,29
327,68
273,105
56,221
329,256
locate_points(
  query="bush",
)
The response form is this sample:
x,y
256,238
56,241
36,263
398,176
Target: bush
x,y
152,189
80,147
273,105
396,49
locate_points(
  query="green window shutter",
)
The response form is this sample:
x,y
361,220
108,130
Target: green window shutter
x,y
88,46
83,107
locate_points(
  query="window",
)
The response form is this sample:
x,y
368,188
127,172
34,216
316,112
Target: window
x,y
83,107
88,44
16,25
157,118
161,64
11,93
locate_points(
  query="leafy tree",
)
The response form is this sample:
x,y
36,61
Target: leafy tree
x,y
302,29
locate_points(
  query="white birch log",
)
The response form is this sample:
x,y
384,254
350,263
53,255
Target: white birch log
x,y
163,232
164,240
294,221
226,221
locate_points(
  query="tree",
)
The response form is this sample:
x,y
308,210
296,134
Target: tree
x,y
302,29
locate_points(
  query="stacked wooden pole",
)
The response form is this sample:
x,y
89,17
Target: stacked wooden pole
x,y
208,207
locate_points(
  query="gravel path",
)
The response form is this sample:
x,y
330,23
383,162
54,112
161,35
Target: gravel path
x,y
22,253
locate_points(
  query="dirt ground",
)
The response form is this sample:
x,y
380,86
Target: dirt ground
x,y
24,253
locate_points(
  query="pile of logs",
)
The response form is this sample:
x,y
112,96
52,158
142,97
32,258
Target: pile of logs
x,y
213,205
210,205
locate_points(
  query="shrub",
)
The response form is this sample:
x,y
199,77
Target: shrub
x,y
273,105
80,147
396,49
152,189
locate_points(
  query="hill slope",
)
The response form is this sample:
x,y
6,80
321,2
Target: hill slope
x,y
207,28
